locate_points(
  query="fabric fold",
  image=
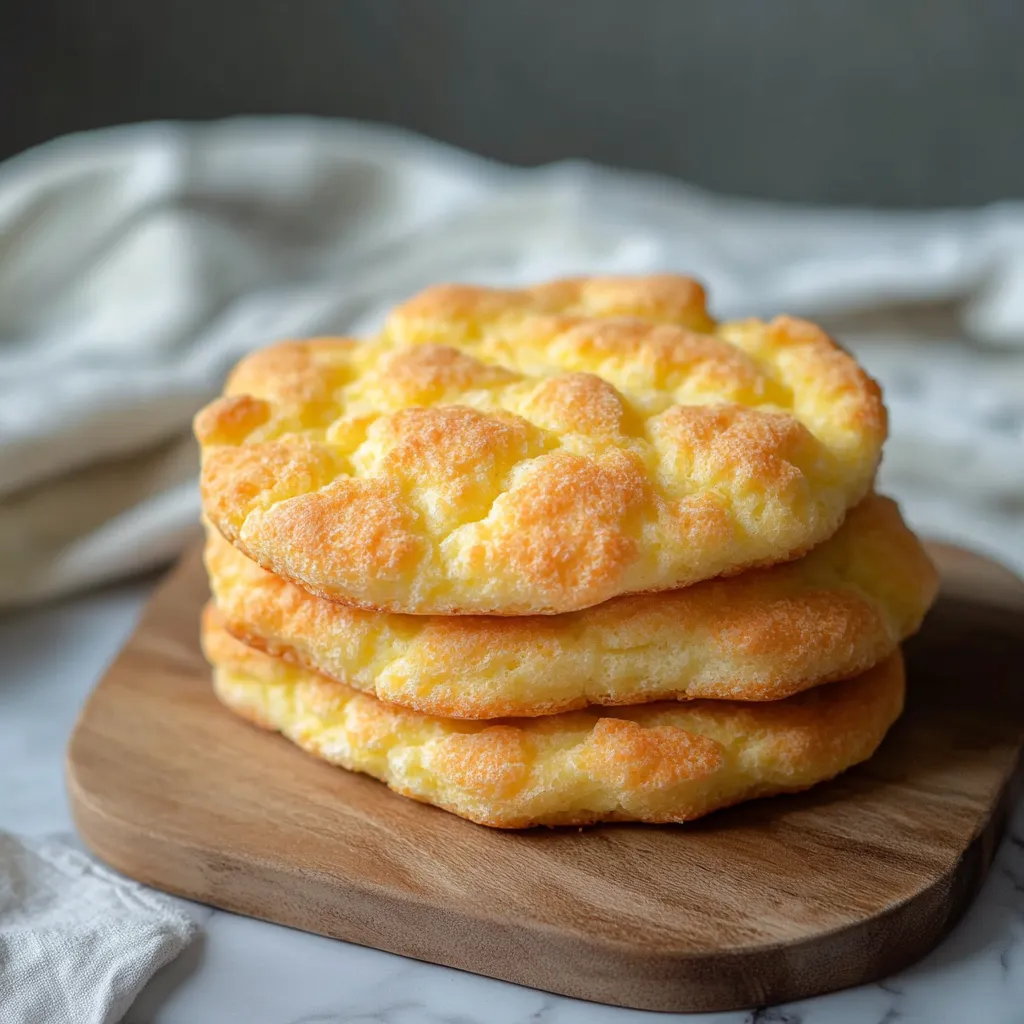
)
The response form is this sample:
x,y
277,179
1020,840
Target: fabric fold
x,y
138,264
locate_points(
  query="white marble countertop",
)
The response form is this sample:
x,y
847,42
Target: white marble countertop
x,y
256,973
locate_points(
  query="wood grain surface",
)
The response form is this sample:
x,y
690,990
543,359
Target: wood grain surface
x,y
764,903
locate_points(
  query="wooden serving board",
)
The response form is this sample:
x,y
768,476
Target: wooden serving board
x,y
765,903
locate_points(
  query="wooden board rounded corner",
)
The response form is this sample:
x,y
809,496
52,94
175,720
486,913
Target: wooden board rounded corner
x,y
769,902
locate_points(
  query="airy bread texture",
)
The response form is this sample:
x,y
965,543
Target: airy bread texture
x,y
762,635
655,763
538,451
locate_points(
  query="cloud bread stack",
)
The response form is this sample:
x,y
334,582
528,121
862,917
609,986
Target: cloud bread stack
x,y
559,555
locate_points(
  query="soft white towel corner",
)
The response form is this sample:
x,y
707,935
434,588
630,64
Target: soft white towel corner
x,y
137,264
77,943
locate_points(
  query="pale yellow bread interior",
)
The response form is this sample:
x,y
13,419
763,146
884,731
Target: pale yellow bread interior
x,y
762,635
664,762
540,450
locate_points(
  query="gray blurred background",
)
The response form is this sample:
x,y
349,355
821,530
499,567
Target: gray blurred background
x,y
861,102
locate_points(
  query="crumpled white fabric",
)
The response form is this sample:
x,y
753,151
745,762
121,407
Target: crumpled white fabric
x,y
77,943
137,264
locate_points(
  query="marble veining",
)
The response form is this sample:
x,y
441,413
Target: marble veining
x,y
255,973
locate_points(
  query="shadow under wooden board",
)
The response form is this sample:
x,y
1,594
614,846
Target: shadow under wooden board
x,y
768,902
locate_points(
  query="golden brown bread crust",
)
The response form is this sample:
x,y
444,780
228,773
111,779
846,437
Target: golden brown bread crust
x,y
466,310
763,635
656,763
538,451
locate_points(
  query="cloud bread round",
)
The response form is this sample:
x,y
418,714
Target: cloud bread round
x,y
538,451
762,635
654,763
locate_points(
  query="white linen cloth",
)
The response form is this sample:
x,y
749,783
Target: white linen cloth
x,y
77,943
137,264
